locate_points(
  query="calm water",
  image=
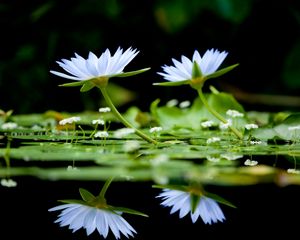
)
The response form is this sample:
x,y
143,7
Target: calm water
x,y
263,211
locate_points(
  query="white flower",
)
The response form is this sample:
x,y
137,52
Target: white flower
x,y
122,132
9,126
251,163
185,104
8,183
224,126
207,208
72,168
294,171
69,120
155,129
255,142
172,103
98,121
294,128
104,109
93,67
251,126
208,64
91,218
213,140
207,124
101,134
212,159
231,156
234,113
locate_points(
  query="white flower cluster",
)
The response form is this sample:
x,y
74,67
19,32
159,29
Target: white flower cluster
x,y
293,128
172,103
98,121
184,104
9,126
155,129
224,126
293,171
234,113
122,132
69,120
8,182
249,162
213,140
104,109
231,156
251,126
101,134
207,124
256,142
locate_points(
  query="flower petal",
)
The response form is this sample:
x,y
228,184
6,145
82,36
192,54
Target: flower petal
x,y
101,222
92,67
89,222
63,75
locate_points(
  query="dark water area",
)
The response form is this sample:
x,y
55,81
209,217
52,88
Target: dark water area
x,y
262,210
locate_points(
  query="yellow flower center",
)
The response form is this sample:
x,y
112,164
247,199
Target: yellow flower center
x,y
197,82
100,81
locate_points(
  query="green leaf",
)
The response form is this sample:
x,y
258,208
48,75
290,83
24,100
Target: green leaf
x,y
284,131
172,84
219,199
171,187
87,86
128,74
73,84
75,201
264,133
196,71
221,71
128,210
222,102
86,195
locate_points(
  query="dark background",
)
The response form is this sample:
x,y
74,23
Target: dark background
x,y
263,212
263,36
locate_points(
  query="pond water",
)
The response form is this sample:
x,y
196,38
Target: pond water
x,y
50,162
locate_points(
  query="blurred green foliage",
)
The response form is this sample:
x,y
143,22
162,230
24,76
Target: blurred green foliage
x,y
263,36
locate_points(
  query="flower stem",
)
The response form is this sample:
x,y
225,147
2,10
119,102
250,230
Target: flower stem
x,y
122,119
217,115
105,187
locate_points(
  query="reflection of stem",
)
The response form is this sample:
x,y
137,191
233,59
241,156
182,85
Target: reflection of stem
x,y
122,119
217,115
105,187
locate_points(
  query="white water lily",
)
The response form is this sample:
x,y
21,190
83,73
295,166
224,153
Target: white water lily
x,y
195,72
93,67
96,72
78,216
208,64
207,208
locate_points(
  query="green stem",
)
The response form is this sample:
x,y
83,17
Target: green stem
x,y
105,187
217,115
122,119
